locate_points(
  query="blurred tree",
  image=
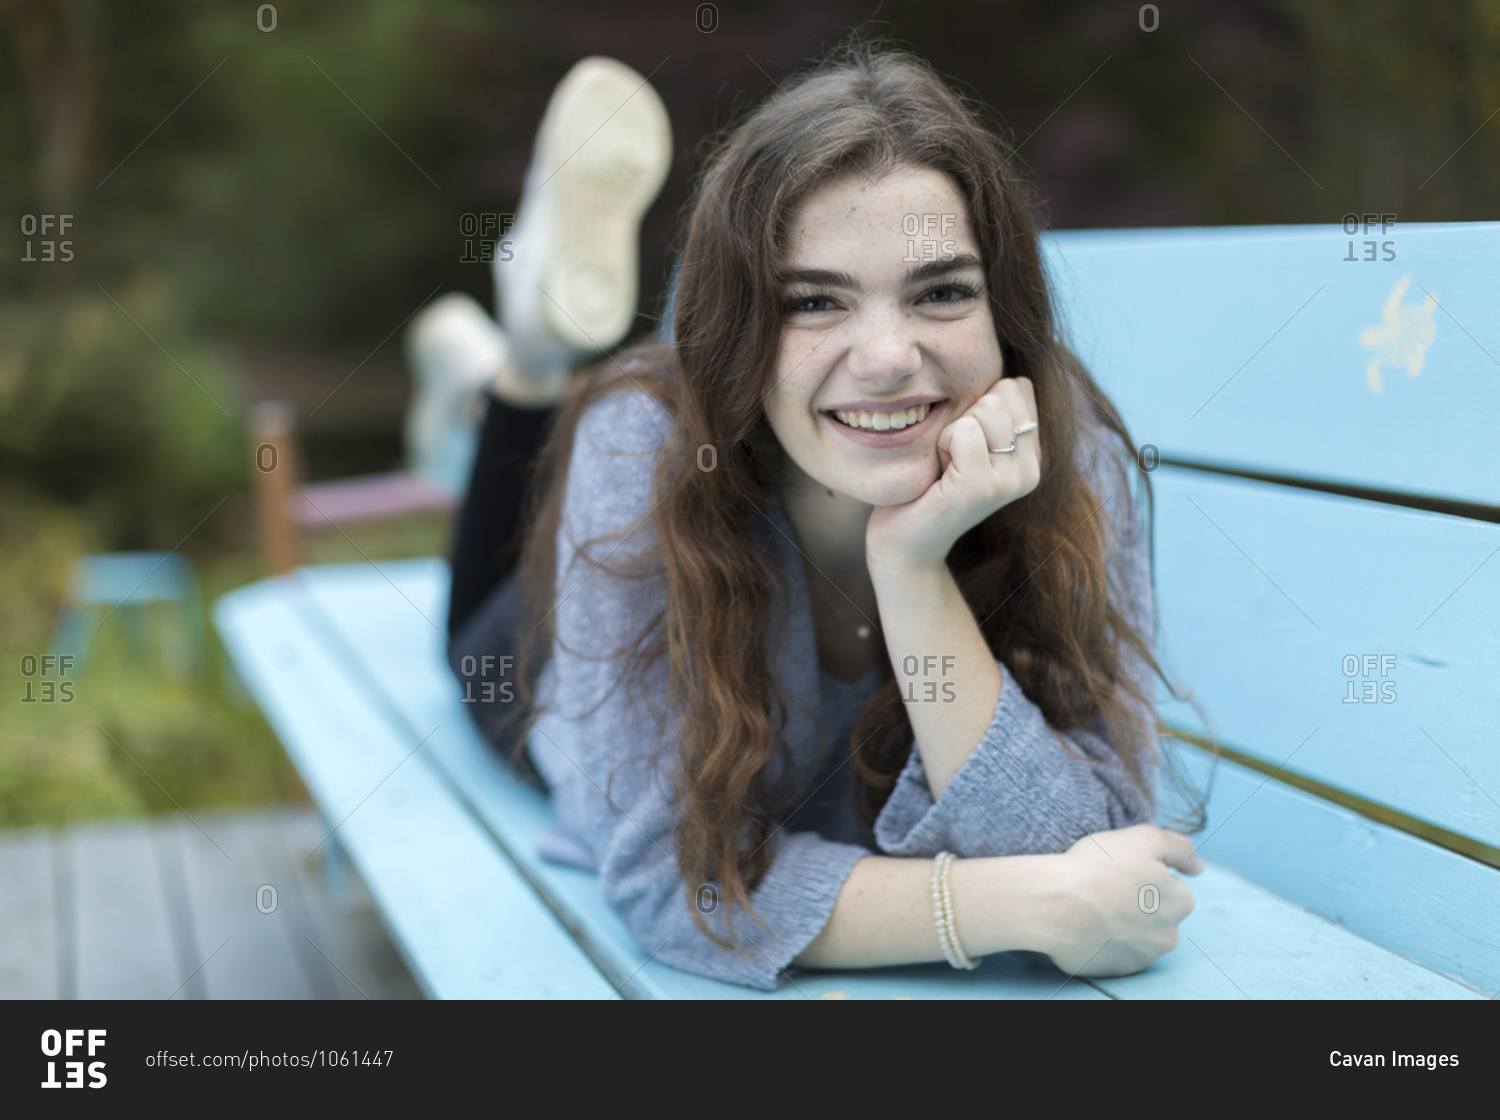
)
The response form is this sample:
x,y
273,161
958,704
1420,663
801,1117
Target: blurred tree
x,y
302,184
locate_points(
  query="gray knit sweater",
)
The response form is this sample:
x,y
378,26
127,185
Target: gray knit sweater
x,y
607,748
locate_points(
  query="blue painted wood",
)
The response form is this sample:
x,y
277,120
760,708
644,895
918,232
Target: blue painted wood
x,y
126,582
1244,942
1269,946
1424,902
1197,336
1276,607
380,617
466,922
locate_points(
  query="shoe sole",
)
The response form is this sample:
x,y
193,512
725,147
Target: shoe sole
x,y
608,139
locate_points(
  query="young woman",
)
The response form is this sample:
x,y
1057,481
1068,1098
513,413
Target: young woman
x,y
843,598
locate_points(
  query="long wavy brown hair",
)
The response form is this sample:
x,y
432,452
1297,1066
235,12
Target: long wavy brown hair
x,y
867,109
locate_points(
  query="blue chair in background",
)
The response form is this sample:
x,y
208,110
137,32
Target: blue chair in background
x,y
127,585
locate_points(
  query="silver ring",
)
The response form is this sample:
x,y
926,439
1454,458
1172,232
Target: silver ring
x,y
1021,431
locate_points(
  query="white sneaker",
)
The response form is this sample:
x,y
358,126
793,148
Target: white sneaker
x,y
601,156
455,350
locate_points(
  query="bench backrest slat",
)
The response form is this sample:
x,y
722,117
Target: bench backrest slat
x,y
1340,630
1343,644
1263,349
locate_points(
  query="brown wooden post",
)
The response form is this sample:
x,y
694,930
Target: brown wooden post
x,y
278,481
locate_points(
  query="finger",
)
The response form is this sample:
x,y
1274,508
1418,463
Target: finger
x,y
1019,397
1177,899
1177,851
968,444
1027,392
1011,405
995,417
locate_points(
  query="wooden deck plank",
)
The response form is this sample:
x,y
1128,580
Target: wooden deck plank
x,y
1269,593
471,925
1201,337
123,937
190,954
362,961
248,954
278,869
29,965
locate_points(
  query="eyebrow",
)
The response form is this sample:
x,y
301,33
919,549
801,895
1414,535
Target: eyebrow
x,y
832,278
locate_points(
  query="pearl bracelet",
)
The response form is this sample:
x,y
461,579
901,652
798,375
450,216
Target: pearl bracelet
x,y
942,912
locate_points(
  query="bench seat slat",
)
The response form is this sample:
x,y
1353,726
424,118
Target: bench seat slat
x,y
1197,337
1265,591
1248,932
382,619
1424,902
467,923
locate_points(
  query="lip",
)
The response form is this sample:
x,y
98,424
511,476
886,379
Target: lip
x,y
887,439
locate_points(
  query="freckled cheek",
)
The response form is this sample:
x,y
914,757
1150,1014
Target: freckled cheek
x,y
977,365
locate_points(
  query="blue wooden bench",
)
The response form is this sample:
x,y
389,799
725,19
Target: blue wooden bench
x,y
1321,441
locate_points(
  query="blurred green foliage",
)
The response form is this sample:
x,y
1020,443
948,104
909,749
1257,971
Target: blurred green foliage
x,y
94,411
300,187
133,739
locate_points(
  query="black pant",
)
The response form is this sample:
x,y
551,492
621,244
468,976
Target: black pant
x,y
486,611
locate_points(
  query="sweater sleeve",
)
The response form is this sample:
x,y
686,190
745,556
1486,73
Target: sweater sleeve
x,y
1027,788
605,741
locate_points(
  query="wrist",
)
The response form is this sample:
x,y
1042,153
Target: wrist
x,y
1007,903
905,574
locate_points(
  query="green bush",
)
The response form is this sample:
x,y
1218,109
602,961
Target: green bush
x,y
106,404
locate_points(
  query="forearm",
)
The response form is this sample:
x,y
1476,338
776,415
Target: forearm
x,y
884,916
942,664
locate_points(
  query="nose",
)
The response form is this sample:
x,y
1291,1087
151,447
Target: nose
x,y
883,348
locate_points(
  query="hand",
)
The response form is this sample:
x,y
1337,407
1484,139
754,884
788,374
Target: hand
x,y
1103,924
973,482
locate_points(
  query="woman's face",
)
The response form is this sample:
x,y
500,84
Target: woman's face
x,y
886,335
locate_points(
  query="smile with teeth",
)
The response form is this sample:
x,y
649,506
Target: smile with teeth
x,y
883,421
